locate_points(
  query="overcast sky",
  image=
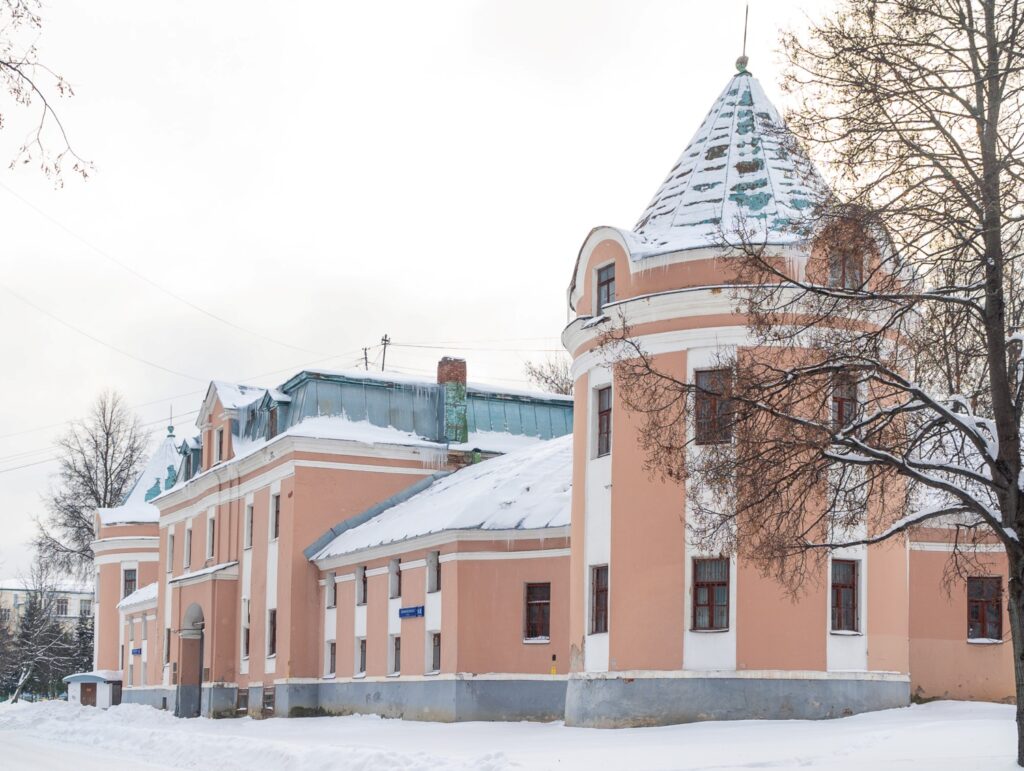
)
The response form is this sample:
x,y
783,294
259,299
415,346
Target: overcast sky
x,y
279,184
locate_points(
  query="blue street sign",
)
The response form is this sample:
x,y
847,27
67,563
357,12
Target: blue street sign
x,y
136,651
414,612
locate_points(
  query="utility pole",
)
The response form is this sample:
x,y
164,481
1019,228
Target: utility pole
x,y
366,358
385,341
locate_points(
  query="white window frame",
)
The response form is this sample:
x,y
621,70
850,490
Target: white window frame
x,y
395,579
218,444
275,504
247,526
170,551
211,532
360,657
328,670
187,556
433,572
393,670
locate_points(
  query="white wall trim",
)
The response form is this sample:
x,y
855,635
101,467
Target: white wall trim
x,y
467,556
113,559
948,547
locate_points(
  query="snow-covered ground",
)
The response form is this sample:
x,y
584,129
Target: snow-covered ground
x,y
937,737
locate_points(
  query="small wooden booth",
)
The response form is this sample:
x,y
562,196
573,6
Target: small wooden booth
x,y
100,688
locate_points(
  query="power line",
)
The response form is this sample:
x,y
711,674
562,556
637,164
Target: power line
x,y
150,281
95,339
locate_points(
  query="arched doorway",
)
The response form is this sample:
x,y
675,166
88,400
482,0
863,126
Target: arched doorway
x,y
190,662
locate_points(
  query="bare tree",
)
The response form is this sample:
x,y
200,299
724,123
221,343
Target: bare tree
x,y
101,457
551,375
883,383
31,84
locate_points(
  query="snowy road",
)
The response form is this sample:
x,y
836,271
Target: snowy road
x,y
942,736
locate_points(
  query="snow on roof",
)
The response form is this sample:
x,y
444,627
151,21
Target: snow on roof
x,y
135,508
204,571
741,163
526,489
496,441
144,596
66,586
97,675
234,396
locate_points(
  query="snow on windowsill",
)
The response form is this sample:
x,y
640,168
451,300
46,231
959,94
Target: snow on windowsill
x,y
846,633
984,641
394,674
709,631
536,640
329,677
435,673
359,676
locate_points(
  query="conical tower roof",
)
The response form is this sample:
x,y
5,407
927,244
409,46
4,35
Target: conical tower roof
x,y
159,475
741,163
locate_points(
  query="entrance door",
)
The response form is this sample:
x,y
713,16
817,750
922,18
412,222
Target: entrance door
x,y
87,694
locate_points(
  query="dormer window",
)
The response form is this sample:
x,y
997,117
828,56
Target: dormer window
x,y
218,446
272,423
605,288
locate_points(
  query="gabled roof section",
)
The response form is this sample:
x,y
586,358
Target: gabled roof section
x,y
232,396
525,490
741,163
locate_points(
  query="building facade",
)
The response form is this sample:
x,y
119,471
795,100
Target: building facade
x,y
71,600
362,542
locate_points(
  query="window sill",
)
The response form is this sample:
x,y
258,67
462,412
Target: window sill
x,y
984,641
330,607
710,631
329,677
394,674
271,655
536,640
359,676
245,658
433,673
845,633
247,548
595,634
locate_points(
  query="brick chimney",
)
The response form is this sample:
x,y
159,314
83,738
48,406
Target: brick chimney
x,y
451,374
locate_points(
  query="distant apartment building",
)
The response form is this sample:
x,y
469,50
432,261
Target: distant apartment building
x,y
70,600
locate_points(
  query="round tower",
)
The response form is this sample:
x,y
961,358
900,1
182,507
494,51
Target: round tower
x,y
662,633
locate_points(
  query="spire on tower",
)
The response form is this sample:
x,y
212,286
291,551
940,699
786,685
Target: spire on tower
x,y
741,63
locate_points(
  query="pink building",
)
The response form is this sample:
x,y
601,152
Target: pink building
x,y
232,615
363,542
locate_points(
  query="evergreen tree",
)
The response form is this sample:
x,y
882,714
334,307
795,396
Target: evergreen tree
x,y
83,641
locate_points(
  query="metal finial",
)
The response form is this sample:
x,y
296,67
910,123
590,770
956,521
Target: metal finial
x,y
170,426
741,63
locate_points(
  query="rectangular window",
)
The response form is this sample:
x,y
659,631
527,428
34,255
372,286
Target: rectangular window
x,y
710,594
332,591
5,615
844,400
604,421
434,571
170,552
218,446
188,546
435,652
711,407
245,628
362,586
605,288
845,269
361,651
211,531
130,582
984,608
395,578
268,700
844,596
538,611
272,632
242,701
332,652
272,423
598,599
131,630
275,516
62,606
85,607
396,655
248,527
167,645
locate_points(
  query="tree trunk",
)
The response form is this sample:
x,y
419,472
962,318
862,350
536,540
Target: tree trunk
x,y
1016,609
25,676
